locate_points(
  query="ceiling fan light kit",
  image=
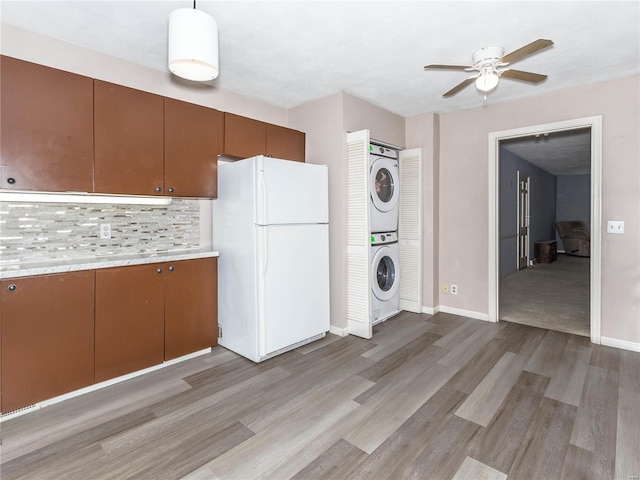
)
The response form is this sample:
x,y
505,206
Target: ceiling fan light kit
x,y
489,62
487,80
193,45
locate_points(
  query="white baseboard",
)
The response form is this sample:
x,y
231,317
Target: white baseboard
x,y
429,310
463,313
622,344
341,332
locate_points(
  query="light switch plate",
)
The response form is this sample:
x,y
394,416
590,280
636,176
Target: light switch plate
x,y
615,226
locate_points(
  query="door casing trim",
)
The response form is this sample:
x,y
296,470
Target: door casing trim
x,y
595,123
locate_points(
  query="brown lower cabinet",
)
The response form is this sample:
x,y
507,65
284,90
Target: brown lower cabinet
x,y
129,319
47,327
146,314
191,306
65,331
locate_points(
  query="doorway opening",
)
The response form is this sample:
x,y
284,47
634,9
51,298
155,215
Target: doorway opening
x,y
507,246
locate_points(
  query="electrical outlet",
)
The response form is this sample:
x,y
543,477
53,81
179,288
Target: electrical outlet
x,y
615,226
445,288
454,289
105,231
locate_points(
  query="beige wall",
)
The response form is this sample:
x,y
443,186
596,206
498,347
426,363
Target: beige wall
x,y
322,121
463,199
383,125
422,132
326,122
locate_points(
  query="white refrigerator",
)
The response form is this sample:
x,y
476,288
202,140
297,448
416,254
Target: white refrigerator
x,y
270,225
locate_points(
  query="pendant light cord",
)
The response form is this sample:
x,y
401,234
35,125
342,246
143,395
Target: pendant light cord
x,y
194,4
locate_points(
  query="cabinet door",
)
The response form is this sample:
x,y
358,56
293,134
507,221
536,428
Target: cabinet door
x,y
129,319
47,336
190,149
46,127
243,137
285,143
191,306
129,146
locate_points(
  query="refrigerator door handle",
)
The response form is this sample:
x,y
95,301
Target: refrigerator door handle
x,y
263,191
265,243
265,252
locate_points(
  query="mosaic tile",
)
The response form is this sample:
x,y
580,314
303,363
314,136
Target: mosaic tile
x,y
34,233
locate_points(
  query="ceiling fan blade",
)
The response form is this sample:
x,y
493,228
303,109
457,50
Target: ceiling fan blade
x,y
524,76
448,67
460,86
527,50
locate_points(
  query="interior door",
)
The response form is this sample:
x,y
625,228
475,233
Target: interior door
x,y
524,220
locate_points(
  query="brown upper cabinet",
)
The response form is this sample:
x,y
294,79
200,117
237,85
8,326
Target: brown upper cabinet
x,y
285,143
46,128
128,130
190,149
65,132
245,137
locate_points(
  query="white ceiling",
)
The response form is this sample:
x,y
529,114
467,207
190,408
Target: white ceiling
x,y
287,53
559,153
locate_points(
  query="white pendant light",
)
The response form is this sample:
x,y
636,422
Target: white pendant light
x,y
193,44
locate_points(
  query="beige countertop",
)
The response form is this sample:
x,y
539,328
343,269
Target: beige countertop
x,y
73,265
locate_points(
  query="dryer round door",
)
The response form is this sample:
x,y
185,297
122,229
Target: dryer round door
x,y
384,183
385,273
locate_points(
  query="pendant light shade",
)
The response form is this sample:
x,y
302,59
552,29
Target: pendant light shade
x,y
193,45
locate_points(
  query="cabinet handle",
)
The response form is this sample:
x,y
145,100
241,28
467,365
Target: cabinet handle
x,y
172,268
12,288
158,189
11,180
170,189
159,270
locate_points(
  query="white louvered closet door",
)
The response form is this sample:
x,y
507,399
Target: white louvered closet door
x,y
410,230
358,235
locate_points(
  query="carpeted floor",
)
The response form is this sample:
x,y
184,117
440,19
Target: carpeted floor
x,y
554,296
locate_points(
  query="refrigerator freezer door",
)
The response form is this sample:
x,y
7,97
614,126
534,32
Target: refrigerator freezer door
x,y
291,192
293,272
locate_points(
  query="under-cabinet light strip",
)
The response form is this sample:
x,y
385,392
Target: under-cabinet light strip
x,y
73,197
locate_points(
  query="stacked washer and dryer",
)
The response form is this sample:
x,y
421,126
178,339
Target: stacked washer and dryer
x,y
384,186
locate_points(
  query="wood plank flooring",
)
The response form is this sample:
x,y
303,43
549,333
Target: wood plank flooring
x,y
429,397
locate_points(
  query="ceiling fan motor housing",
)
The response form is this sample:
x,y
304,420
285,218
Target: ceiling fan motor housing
x,y
487,56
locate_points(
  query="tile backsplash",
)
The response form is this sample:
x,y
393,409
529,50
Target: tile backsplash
x,y
32,233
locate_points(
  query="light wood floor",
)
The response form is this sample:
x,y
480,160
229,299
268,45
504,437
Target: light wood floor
x,y
428,397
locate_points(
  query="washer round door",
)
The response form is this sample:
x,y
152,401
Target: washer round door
x,y
385,273
384,183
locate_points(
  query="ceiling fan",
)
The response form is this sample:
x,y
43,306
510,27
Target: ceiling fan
x,y
489,63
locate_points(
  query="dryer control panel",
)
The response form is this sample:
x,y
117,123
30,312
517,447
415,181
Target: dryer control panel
x,y
380,151
383,238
